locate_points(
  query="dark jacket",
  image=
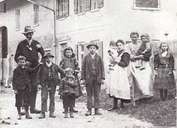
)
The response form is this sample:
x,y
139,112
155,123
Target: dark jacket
x,y
69,63
125,60
46,73
68,88
86,69
21,78
164,62
23,49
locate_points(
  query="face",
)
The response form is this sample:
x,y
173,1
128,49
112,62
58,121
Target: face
x,y
164,46
68,53
21,62
113,47
49,59
120,46
92,49
145,39
134,37
29,36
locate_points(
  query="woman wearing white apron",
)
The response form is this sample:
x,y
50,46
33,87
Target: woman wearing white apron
x,y
119,87
141,78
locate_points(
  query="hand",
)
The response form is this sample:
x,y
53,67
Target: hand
x,y
15,91
38,46
82,82
102,81
39,87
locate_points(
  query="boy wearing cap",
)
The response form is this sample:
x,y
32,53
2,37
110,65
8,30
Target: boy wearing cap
x,y
21,86
49,79
92,75
68,92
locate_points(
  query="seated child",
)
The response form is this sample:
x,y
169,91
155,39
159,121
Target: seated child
x,y
68,91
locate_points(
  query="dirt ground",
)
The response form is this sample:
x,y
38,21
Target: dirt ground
x,y
8,117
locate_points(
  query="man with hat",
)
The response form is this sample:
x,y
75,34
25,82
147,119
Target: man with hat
x,y
92,75
49,79
30,49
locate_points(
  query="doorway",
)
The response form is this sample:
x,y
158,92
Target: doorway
x,y
3,56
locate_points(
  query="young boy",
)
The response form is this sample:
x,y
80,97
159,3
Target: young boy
x,y
21,86
49,79
92,75
68,91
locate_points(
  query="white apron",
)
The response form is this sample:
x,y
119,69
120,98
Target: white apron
x,y
119,86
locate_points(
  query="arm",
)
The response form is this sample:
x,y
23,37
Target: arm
x,y
40,49
171,62
14,79
156,62
125,59
83,71
147,55
18,52
60,70
102,69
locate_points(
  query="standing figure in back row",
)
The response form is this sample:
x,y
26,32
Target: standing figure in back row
x,y
93,76
30,49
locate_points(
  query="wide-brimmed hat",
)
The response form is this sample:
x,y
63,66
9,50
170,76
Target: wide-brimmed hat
x,y
92,43
28,29
48,55
21,58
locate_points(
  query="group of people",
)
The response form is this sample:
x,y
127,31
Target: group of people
x,y
131,71
31,74
130,75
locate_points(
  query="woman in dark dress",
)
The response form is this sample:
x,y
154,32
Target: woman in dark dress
x,y
164,66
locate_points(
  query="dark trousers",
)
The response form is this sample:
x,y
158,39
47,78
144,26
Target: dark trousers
x,y
93,94
45,91
68,102
22,98
33,91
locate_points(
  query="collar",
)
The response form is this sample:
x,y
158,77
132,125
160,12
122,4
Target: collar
x,y
93,55
29,41
48,64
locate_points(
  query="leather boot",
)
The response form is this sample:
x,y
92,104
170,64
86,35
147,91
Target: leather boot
x,y
89,112
114,105
97,112
42,116
27,113
19,113
51,115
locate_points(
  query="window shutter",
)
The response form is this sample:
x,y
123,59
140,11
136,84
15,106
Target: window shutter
x,y
75,6
100,3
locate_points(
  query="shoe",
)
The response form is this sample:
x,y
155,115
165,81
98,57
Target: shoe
x,y
22,113
66,115
35,111
112,109
19,116
88,113
28,116
75,111
71,115
42,116
51,115
97,112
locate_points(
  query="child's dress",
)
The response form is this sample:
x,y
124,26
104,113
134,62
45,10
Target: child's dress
x,y
164,65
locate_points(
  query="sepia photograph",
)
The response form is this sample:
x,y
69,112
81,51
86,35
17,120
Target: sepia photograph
x,y
88,63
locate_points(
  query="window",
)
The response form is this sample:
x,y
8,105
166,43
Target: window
x,y
2,7
17,18
36,14
147,4
62,8
87,5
